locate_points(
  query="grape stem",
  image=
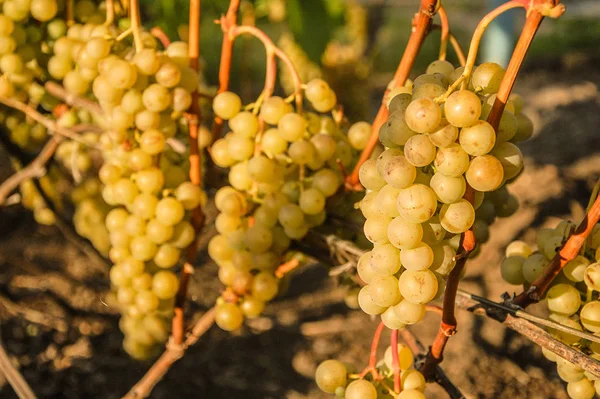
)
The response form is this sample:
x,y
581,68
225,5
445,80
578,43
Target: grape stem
x,y
134,6
395,362
173,353
225,63
286,267
445,28
110,12
460,54
372,367
474,47
271,48
195,158
567,253
59,92
14,378
160,34
69,12
421,25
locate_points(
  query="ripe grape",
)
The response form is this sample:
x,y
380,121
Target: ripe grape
x,y
330,375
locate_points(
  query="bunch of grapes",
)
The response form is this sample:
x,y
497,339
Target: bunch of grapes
x,y
415,210
143,94
571,301
335,377
283,167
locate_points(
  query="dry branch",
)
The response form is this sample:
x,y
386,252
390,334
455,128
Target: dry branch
x,y
72,100
15,379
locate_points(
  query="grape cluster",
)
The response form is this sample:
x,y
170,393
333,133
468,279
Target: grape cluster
x,y
335,377
414,204
571,300
143,94
283,167
90,213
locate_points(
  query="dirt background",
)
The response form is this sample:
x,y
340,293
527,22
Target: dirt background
x,y
67,344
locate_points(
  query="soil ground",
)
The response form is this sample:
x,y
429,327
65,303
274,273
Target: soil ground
x,y
67,344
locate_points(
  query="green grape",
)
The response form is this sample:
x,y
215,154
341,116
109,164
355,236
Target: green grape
x,y
408,312
457,217
219,248
533,267
150,181
563,299
142,248
418,286
451,161
239,177
156,98
261,169
190,195
330,375
312,201
419,150
417,203
423,115
518,248
592,277
11,64
385,260
399,172
228,316
166,256
152,141
117,255
386,199
390,320
168,75
302,152
524,128
369,177
325,146
326,181
6,25
147,120
327,104
146,301
375,229
126,295
462,108
258,239
413,381
118,277
360,389
359,135
403,234
511,270
552,246
488,77
244,123
368,205
182,100
43,10
165,285
507,128
575,269
477,139
405,357
115,219
590,316
317,90
251,307
125,191
109,173
485,173
273,109
296,233
272,143
582,389
240,148
364,267
440,66
418,258
147,61
135,225
58,66
428,91
399,99
291,126
385,157
265,286
366,303
395,132
220,154
448,189
510,157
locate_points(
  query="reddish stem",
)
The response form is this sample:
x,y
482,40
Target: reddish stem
x,y
286,267
371,368
421,27
445,32
193,116
160,34
568,252
225,64
395,361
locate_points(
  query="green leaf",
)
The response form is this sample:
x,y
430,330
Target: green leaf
x,y
313,22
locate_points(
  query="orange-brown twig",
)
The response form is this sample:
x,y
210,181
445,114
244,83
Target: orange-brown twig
x,y
371,368
193,117
225,63
568,252
286,267
160,34
445,32
421,24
